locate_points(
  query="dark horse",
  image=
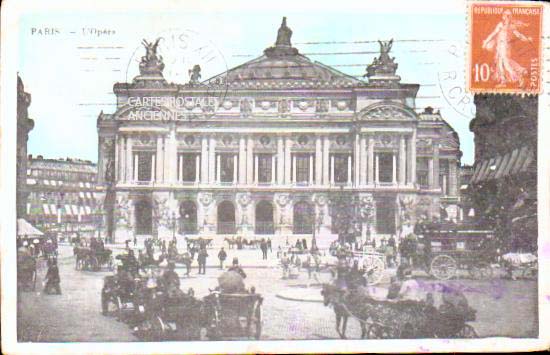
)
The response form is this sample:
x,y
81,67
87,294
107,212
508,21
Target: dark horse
x,y
345,304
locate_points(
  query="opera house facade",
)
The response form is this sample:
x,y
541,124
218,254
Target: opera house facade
x,y
263,149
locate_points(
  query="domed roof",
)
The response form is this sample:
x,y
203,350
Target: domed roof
x,y
282,66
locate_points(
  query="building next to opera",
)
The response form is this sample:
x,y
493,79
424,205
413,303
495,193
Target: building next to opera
x,y
264,149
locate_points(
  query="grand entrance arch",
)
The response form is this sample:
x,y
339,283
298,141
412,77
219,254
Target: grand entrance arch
x,y
226,218
188,218
143,212
264,218
303,217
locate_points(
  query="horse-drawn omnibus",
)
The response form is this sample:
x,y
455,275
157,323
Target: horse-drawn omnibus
x,y
444,249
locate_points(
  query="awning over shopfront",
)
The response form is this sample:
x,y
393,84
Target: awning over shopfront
x,y
25,229
511,163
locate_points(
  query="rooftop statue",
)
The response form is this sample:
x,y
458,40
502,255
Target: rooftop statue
x,y
283,35
151,63
383,68
283,46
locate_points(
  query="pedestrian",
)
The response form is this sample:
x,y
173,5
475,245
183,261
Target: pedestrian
x,y
222,255
135,240
263,247
269,245
201,258
187,260
163,247
52,280
279,252
304,244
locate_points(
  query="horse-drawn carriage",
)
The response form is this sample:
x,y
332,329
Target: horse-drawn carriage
x,y
159,314
93,259
198,242
444,249
520,265
406,319
233,315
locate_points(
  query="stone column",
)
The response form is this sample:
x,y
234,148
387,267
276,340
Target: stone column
x,y
363,161
318,161
273,167
242,161
119,159
218,168
436,167
402,161
197,168
280,161
371,160
310,169
453,178
153,168
256,170
409,160
349,170
250,160
212,160
394,169
160,160
172,152
332,169
356,160
135,175
204,160
288,158
129,160
413,157
180,167
326,155
377,175
293,157
431,173
235,169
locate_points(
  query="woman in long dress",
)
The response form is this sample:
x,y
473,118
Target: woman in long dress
x,y
506,69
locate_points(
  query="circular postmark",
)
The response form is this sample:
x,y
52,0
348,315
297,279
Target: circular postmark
x,y
186,58
452,81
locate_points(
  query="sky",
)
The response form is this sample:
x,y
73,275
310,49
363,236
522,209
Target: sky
x,y
70,60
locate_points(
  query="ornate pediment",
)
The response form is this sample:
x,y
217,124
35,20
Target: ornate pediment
x,y
387,112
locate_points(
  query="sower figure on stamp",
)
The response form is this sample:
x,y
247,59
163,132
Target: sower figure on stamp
x,y
506,31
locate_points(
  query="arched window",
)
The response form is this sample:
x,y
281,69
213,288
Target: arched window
x,y
188,218
226,218
264,218
144,217
303,218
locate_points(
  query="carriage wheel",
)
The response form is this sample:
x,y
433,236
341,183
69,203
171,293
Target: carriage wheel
x,y
113,307
443,267
468,332
374,267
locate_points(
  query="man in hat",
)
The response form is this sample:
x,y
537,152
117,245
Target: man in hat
x,y
170,279
237,268
201,259
222,255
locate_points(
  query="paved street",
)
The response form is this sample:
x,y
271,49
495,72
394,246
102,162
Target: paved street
x,y
506,308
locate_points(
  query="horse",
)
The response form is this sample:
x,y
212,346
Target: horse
x,y
231,242
345,304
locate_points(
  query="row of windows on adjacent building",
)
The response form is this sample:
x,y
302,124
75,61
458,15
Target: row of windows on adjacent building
x,y
302,169
303,218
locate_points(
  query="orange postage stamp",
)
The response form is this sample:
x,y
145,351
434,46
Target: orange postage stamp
x,y
505,48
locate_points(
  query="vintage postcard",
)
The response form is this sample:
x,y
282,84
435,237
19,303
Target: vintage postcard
x,y
274,177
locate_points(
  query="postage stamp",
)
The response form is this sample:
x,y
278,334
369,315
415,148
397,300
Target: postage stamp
x,y
272,177
505,47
